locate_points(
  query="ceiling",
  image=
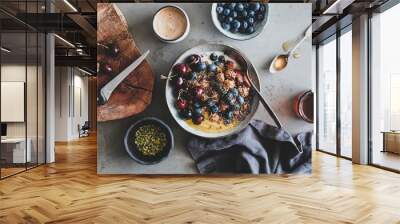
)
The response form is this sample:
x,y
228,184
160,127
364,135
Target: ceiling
x,y
333,15
72,20
76,22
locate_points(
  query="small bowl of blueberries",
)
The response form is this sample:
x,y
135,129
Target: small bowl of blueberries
x,y
240,21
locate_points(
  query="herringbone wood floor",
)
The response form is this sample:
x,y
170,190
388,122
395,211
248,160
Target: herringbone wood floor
x,y
70,191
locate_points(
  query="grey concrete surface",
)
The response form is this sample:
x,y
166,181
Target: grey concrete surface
x,y
286,22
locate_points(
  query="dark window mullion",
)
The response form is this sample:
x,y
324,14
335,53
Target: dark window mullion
x,y
37,90
317,95
369,77
26,87
338,94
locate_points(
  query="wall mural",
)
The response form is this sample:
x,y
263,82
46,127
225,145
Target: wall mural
x,y
204,88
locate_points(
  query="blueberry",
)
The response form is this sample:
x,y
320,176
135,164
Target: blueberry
x,y
250,29
251,13
234,30
262,8
250,21
214,109
231,6
221,58
240,100
226,26
229,115
221,18
197,111
235,24
239,7
213,56
233,14
201,66
227,12
219,63
210,103
211,67
228,97
255,6
234,107
219,9
235,92
244,25
192,76
228,19
231,102
260,17
196,104
246,5
243,14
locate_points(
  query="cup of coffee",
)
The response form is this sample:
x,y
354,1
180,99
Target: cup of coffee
x,y
171,24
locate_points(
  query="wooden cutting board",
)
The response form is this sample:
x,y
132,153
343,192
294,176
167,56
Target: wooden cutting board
x,y
134,94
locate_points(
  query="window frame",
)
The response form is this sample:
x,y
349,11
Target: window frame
x,y
381,9
334,37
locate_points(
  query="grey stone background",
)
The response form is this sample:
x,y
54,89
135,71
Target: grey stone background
x,y
286,22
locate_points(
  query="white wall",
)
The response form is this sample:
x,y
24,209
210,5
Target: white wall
x,y
33,126
17,73
71,102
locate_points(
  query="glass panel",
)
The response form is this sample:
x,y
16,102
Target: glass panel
x,y
31,100
13,87
385,84
41,99
32,88
327,97
346,94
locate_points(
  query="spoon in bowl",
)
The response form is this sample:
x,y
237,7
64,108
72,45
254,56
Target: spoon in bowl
x,y
281,61
263,101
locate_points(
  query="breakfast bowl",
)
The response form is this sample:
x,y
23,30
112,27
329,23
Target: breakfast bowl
x,y
148,141
205,105
240,21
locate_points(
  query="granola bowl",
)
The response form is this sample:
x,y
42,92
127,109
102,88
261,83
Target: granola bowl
x,y
207,91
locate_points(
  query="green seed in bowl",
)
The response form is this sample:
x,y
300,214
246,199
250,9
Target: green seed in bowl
x,y
150,140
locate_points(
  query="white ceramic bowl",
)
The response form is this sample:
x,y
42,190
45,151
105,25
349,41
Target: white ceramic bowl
x,y
183,36
171,98
259,27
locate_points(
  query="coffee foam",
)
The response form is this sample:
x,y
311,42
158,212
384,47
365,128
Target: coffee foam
x,y
170,23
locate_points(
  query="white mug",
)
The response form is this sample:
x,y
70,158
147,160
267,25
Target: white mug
x,y
180,38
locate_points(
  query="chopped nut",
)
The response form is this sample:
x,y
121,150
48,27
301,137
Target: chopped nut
x,y
220,77
215,117
229,84
230,74
244,91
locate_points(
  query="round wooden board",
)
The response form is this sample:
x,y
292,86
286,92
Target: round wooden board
x,y
134,94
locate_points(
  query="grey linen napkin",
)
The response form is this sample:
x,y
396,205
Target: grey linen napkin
x,y
259,148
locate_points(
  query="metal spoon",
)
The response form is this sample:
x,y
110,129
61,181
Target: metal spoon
x,y
281,61
262,99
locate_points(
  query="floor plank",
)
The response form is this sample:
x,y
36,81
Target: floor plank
x,y
70,191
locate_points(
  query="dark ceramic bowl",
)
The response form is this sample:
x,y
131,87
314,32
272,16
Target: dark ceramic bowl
x,y
131,147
